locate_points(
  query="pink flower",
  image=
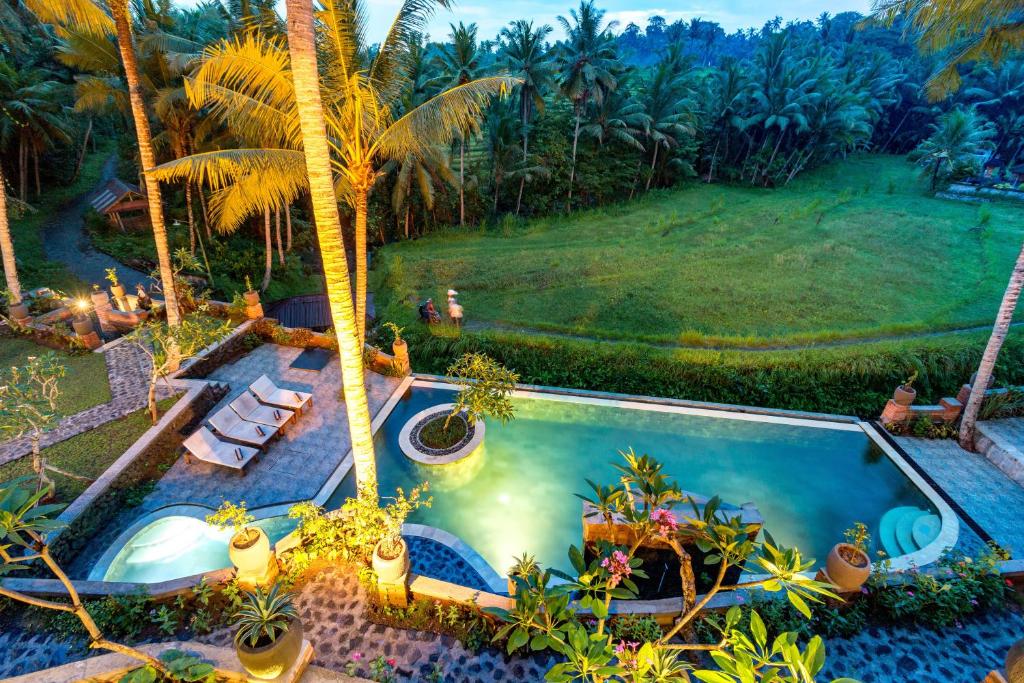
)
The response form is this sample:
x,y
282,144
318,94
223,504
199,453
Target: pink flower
x,y
391,662
356,656
864,590
665,521
910,593
618,566
626,652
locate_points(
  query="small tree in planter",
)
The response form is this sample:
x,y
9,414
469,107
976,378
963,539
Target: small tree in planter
x,y
269,636
905,393
24,524
546,615
116,288
28,407
524,568
391,554
167,346
249,548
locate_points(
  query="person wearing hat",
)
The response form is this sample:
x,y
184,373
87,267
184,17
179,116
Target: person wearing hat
x,y
454,309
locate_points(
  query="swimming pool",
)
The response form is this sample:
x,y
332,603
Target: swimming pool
x,y
810,479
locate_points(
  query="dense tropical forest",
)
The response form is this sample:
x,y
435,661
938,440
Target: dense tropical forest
x,y
600,113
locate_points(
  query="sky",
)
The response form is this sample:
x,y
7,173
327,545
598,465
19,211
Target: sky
x,y
492,15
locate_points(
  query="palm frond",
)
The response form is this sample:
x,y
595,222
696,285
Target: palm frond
x,y
82,14
389,68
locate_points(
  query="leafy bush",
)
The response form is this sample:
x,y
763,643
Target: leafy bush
x,y
635,629
853,380
473,629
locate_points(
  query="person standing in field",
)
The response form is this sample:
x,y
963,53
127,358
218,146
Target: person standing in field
x,y
454,309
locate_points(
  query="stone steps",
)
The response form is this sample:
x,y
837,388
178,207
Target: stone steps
x,y
1002,442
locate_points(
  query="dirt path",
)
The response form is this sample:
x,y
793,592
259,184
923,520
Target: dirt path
x,y
65,240
484,326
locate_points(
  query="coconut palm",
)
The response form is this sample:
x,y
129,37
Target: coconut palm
x,y
526,59
245,82
957,140
665,99
310,113
459,63
587,66
102,17
7,248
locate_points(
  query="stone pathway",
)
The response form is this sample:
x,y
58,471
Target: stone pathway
x,y
991,498
128,374
294,467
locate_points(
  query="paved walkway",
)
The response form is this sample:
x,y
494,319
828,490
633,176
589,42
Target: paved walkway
x,y
66,241
991,498
128,374
295,466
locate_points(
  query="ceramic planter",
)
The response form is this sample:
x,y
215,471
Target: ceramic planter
x,y
848,576
391,570
19,312
117,291
252,298
251,560
82,325
903,396
267,662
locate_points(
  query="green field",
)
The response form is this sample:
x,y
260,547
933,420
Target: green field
x,y
84,384
852,251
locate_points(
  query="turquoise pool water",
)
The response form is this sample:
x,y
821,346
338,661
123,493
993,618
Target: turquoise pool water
x,y
516,495
810,483
177,546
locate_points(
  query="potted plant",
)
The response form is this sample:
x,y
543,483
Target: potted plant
x,y
390,558
848,563
269,636
249,548
251,296
116,288
82,323
524,568
905,393
17,311
399,346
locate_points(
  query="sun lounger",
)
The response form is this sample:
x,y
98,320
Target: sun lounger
x,y
249,409
269,393
203,445
231,427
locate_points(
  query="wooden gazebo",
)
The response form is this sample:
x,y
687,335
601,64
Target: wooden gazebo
x,y
123,204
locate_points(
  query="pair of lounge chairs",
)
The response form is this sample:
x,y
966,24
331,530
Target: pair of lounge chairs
x,y
246,425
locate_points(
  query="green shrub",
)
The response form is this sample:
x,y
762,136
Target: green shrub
x,y
852,380
636,629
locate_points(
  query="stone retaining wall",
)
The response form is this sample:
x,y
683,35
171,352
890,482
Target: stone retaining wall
x,y
145,460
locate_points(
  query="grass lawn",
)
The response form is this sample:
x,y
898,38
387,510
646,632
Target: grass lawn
x,y
87,454
853,250
84,384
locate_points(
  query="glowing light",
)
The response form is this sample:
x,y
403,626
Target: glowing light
x,y
82,305
504,498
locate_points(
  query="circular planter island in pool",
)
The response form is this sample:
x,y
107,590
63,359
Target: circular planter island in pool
x,y
414,448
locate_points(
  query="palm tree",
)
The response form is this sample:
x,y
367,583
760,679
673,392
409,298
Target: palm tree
x,y
587,66
317,154
245,82
957,139
666,102
102,19
7,248
526,59
459,61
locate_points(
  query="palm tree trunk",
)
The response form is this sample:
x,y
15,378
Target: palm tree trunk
x,y
277,234
119,11
268,251
462,181
288,227
85,146
988,359
408,209
191,218
360,298
206,212
654,161
935,174
714,156
199,236
7,247
519,199
22,169
572,168
35,163
301,45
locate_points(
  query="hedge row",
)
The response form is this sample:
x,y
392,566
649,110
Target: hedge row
x,y
848,380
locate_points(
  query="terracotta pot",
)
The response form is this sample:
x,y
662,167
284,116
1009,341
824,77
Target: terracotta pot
x,y
253,559
117,291
19,312
252,298
904,397
1015,663
400,348
82,325
270,661
846,576
393,570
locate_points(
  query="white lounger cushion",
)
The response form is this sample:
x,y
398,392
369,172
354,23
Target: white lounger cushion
x,y
203,445
248,408
230,426
268,392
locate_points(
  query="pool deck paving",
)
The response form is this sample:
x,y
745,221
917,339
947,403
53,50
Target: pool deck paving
x,y
296,465
985,493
